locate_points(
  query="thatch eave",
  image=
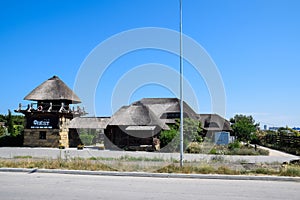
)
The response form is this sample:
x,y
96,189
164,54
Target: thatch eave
x,y
53,89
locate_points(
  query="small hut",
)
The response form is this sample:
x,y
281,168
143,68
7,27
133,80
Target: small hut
x,y
47,119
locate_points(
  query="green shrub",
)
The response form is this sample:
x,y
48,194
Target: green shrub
x,y
243,151
194,147
86,138
22,157
213,151
234,145
263,152
266,171
170,138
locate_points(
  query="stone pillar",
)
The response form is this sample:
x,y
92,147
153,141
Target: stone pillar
x,y
64,131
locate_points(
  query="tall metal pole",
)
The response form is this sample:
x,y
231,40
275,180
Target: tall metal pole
x,y
181,88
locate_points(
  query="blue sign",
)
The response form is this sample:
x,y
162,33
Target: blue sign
x,y
222,138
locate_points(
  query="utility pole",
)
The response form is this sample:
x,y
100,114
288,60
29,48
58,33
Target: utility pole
x,y
181,86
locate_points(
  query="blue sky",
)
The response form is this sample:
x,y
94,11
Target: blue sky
x,y
255,45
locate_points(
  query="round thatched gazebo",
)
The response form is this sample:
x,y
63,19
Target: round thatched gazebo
x,y
48,118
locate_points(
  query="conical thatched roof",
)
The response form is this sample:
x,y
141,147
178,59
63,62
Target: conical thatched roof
x,y
53,89
137,115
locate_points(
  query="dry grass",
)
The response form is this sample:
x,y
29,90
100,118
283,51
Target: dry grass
x,y
291,170
203,169
73,164
148,166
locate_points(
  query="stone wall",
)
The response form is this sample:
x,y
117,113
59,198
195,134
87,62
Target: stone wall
x,y
32,138
56,137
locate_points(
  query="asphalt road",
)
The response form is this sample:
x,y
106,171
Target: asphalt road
x,y
37,186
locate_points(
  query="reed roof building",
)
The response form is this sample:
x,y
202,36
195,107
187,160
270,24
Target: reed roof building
x,y
48,117
141,122
51,122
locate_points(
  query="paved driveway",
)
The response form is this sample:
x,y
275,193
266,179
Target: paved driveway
x,y
12,152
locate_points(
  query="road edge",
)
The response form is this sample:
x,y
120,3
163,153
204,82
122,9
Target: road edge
x,y
153,175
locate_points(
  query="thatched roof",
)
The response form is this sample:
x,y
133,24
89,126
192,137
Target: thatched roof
x,y
150,112
155,111
89,122
214,122
53,89
135,115
160,106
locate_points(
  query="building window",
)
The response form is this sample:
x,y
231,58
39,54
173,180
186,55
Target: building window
x,y
42,135
173,115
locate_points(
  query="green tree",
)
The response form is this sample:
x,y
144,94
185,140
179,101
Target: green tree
x,y
18,120
87,136
2,131
191,129
12,133
244,127
171,138
10,125
3,118
287,131
18,129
